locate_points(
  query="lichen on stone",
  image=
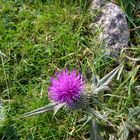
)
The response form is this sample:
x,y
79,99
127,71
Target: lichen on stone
x,y
112,22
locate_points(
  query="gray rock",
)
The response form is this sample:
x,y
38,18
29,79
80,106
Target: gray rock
x,y
113,25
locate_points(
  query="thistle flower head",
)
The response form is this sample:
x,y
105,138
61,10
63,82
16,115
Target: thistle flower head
x,y
66,87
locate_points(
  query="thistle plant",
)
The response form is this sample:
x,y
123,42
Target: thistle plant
x,y
69,89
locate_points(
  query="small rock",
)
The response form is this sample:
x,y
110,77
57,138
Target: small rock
x,y
113,24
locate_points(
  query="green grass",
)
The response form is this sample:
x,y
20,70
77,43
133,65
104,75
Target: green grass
x,y
41,37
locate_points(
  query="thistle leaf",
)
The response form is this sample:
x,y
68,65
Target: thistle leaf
x,y
94,131
101,88
133,122
104,82
95,80
40,110
108,78
132,127
98,115
87,121
134,112
57,108
123,133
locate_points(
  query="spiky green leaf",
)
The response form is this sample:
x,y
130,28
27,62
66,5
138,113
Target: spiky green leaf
x,y
58,107
40,110
95,131
98,115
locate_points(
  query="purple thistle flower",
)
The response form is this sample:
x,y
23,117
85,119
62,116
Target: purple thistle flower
x,y
67,87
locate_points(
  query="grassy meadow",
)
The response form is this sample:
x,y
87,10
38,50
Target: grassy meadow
x,y
40,37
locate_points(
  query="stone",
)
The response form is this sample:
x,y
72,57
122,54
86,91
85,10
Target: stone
x,y
112,22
